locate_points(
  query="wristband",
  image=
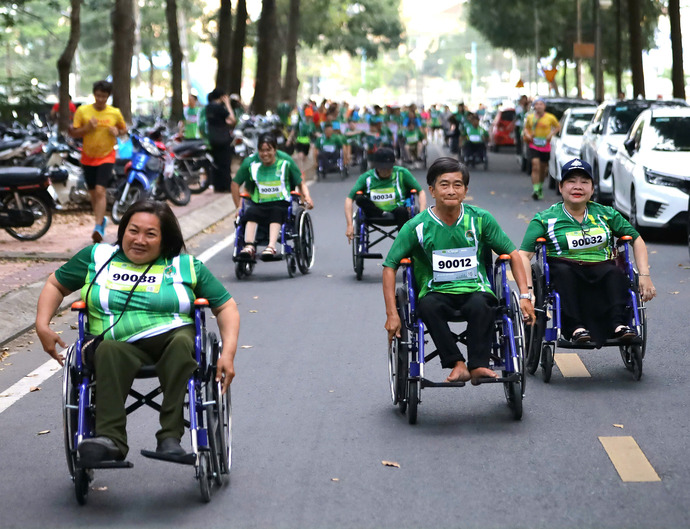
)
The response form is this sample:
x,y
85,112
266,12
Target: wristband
x,y
526,296
643,275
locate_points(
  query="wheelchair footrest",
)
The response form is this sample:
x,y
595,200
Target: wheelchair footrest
x,y
426,383
371,256
104,464
186,459
612,342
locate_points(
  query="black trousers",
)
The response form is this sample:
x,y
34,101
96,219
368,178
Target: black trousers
x,y
478,309
594,297
222,160
371,210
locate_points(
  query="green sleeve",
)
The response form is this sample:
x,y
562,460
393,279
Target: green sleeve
x,y
294,174
72,274
360,185
402,247
242,175
620,226
495,236
535,229
409,181
207,286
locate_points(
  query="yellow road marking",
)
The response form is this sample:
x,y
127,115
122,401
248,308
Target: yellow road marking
x,y
570,365
629,460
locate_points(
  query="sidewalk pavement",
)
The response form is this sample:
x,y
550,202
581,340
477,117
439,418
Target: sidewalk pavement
x,y
25,266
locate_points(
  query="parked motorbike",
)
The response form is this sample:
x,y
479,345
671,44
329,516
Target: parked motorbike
x,y
25,204
151,173
193,162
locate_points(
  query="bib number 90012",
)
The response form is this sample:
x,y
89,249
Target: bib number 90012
x,y
456,264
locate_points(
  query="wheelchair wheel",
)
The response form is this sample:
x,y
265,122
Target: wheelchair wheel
x,y
538,329
291,262
243,269
393,351
546,362
204,475
82,480
357,259
69,411
403,352
304,244
515,391
413,388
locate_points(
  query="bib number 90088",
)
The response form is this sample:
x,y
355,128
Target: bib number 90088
x,y
133,278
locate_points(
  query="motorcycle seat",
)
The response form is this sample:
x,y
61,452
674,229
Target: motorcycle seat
x,y
18,176
187,146
11,144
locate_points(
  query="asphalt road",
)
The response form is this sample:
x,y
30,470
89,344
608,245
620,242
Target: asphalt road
x,y
313,419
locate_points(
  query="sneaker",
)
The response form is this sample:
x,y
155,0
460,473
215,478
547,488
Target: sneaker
x,y
98,232
97,449
535,196
170,447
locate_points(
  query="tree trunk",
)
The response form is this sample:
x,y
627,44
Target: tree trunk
x,y
264,55
239,38
565,78
677,75
176,56
635,29
152,73
122,19
64,64
619,50
275,88
291,82
224,46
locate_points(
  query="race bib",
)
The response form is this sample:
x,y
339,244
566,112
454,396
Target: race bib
x,y
475,138
269,191
539,142
578,241
454,265
123,276
383,197
329,148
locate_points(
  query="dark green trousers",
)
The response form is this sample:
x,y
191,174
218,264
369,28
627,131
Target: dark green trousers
x,y
117,364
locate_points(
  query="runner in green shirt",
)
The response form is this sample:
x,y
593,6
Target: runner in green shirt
x,y
190,123
450,244
384,188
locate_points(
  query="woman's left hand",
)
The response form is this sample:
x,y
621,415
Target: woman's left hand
x,y
647,290
225,371
308,202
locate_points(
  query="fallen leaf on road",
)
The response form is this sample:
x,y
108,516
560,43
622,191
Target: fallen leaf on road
x,y
43,432
32,375
653,251
246,347
34,388
73,326
5,395
59,332
335,479
329,275
256,297
390,464
253,311
30,342
493,192
674,293
5,348
100,488
618,425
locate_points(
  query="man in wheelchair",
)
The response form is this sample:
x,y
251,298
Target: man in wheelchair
x,y
475,140
579,241
413,142
328,149
449,244
140,296
383,190
268,177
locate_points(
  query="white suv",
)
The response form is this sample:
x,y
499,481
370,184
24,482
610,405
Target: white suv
x,y
651,173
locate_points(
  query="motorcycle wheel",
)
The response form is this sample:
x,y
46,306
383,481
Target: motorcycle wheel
x,y
176,189
43,217
134,194
199,180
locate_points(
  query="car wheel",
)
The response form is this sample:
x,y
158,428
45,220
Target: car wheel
x,y
596,193
633,210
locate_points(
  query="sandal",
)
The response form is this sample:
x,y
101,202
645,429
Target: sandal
x,y
268,254
625,333
582,336
248,252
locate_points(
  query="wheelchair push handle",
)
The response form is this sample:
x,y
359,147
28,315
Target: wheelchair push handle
x,y
503,257
78,305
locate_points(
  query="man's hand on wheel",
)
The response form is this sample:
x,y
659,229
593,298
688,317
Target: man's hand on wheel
x,y
393,326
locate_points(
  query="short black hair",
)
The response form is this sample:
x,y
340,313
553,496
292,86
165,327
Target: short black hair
x,y
444,165
216,94
102,86
267,138
172,241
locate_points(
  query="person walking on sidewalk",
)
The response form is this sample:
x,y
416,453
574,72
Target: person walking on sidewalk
x,y
220,120
99,125
539,128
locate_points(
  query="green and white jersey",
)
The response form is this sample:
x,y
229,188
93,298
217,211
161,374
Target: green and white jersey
x,y
450,259
329,145
163,300
386,193
413,136
305,131
476,134
269,183
591,241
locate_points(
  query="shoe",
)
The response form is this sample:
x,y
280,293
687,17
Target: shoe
x,y
582,336
535,196
99,449
625,333
248,252
268,254
170,447
98,232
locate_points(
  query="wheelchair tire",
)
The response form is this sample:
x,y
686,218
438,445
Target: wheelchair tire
x,y
357,259
304,243
291,262
243,269
82,480
537,330
546,362
637,362
69,412
413,398
514,393
219,416
204,476
403,352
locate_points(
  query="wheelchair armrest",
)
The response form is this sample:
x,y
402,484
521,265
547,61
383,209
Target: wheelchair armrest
x,y
503,257
245,195
201,302
626,239
406,261
78,305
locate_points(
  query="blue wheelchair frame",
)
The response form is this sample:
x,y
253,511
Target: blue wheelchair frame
x,y
363,228
327,164
543,347
208,410
507,352
296,239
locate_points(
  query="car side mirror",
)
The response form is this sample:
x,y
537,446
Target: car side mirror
x,y
629,145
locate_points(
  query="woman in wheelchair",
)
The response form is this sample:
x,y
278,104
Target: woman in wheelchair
x,y
449,244
140,293
268,178
383,189
579,247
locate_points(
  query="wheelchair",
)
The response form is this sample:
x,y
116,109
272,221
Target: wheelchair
x,y
296,239
546,334
331,160
421,154
474,154
209,414
407,357
384,227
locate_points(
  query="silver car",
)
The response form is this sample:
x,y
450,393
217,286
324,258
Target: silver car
x,y
566,144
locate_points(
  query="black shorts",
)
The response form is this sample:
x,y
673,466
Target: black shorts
x,y
534,153
302,147
97,175
267,213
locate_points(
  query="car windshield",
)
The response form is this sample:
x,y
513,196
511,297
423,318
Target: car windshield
x,y
578,123
670,133
622,117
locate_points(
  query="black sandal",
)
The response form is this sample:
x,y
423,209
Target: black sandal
x,y
248,253
582,336
625,333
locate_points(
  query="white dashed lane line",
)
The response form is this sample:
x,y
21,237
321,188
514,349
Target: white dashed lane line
x,y
33,379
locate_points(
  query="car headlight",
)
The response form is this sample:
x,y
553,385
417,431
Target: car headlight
x,y
659,179
613,150
571,151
